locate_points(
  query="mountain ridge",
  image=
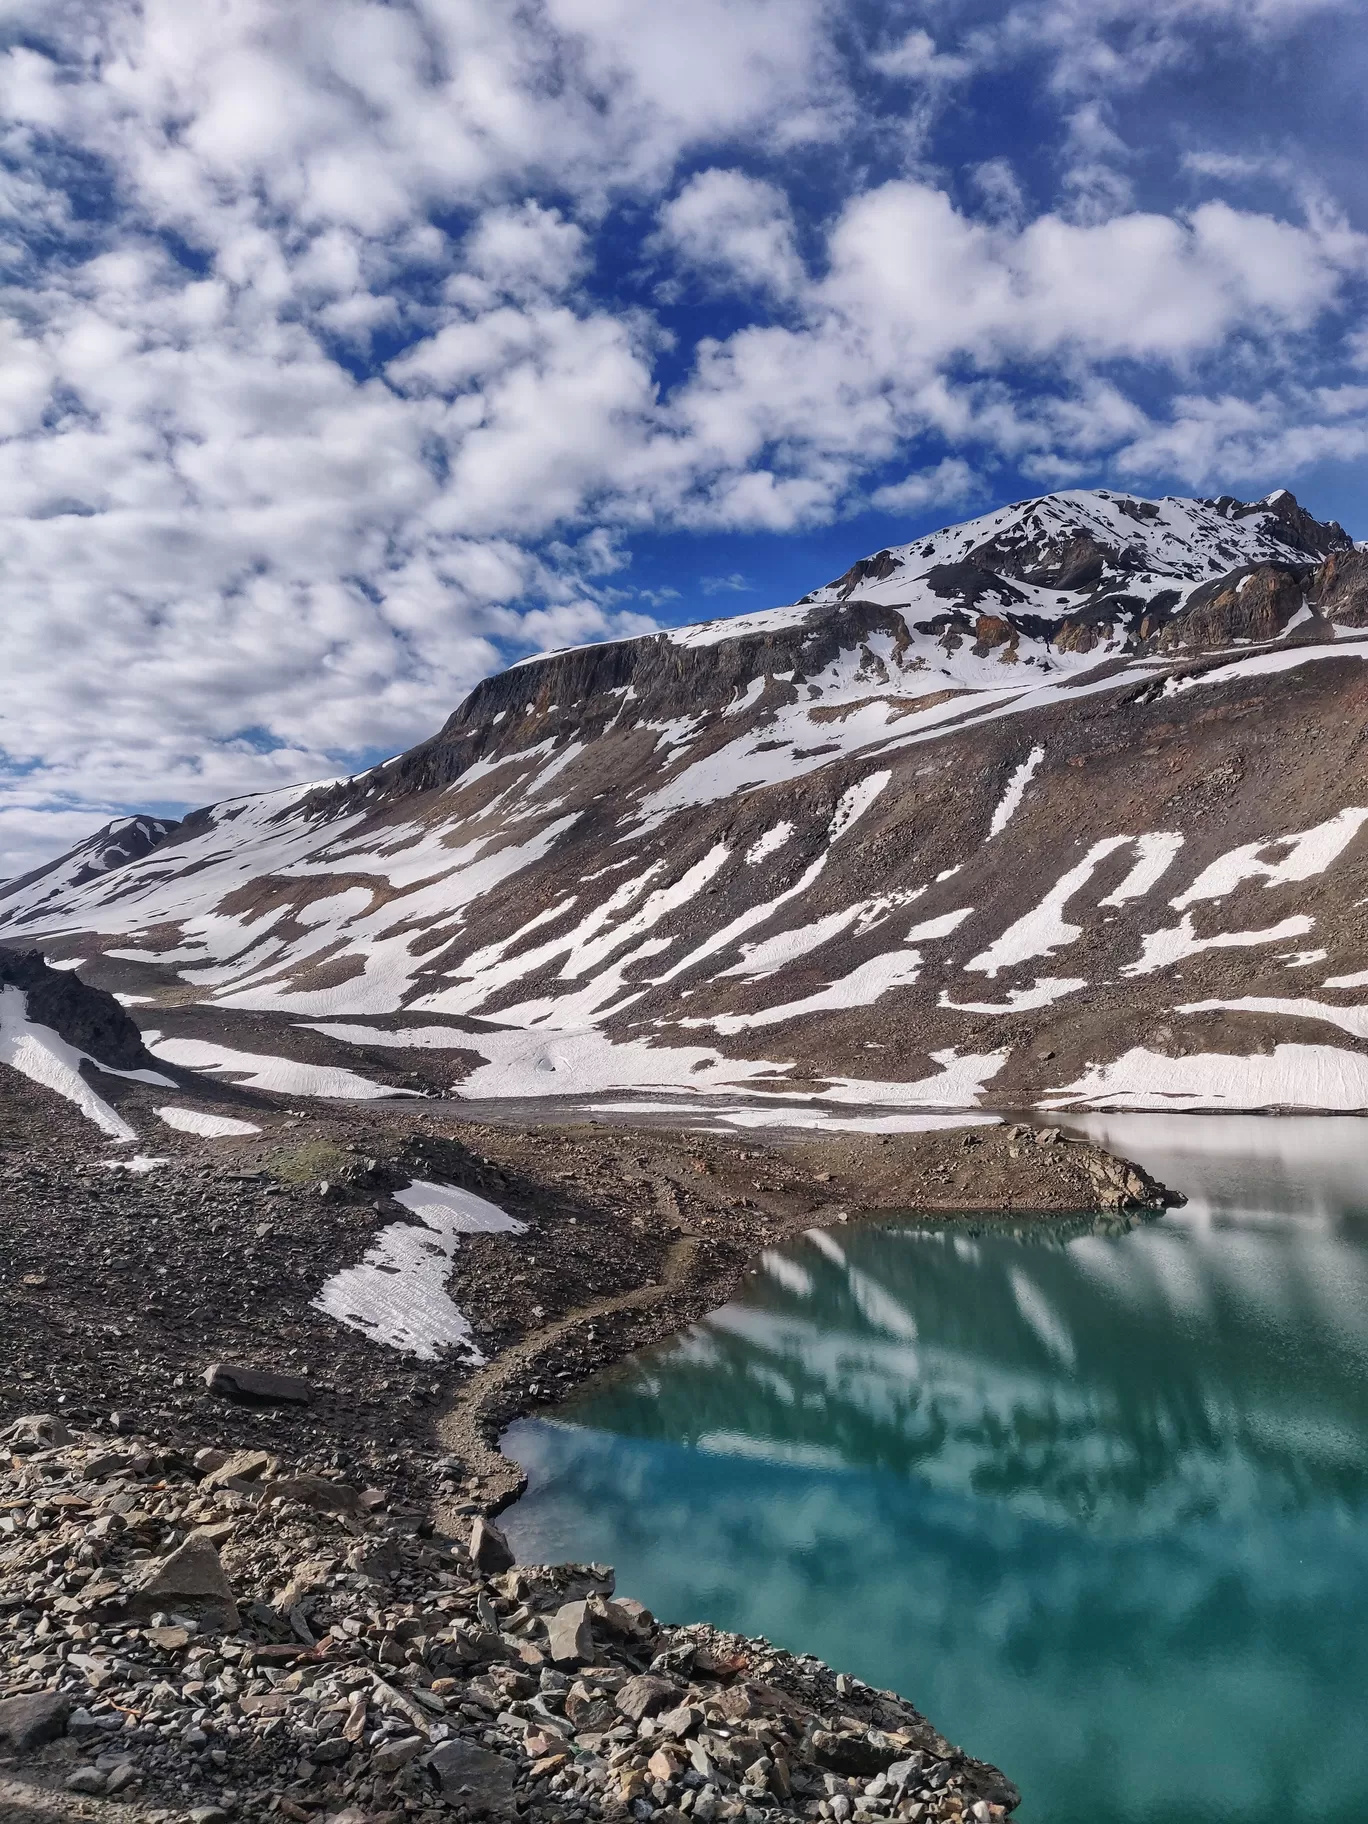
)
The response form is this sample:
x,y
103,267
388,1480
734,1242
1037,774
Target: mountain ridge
x,y
939,833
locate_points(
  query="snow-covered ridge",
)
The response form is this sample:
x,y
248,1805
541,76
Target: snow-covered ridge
x,y
865,851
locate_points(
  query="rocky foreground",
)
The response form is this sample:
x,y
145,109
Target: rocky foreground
x,y
193,1638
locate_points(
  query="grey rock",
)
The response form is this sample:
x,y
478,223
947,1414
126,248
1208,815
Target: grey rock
x,y
489,1549
396,1754
473,1777
570,1639
192,1577
85,1779
265,1386
850,1754
679,1722
334,1748
209,1814
319,1492
38,1431
378,1559
33,1718
646,1695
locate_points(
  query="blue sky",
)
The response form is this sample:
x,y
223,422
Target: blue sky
x,y
355,347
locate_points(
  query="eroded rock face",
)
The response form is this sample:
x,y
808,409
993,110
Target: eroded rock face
x,y
1341,588
85,1017
1253,604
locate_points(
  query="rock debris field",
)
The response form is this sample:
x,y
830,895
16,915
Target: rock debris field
x,y
214,1636
248,1563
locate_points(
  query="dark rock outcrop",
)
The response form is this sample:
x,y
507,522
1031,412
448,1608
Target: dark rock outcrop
x,y
85,1017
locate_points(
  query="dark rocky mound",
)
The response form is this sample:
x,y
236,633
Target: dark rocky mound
x,y
85,1017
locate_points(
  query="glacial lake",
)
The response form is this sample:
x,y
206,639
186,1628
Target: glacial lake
x,y
1097,1503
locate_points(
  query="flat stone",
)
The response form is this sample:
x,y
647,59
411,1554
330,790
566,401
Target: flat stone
x,y
318,1492
377,1559
473,1777
646,1695
851,1754
625,1615
570,1639
33,1718
680,1722
170,1640
85,1779
235,1381
489,1549
396,1754
240,1466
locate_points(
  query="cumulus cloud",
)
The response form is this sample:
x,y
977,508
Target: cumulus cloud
x,y
348,346
736,229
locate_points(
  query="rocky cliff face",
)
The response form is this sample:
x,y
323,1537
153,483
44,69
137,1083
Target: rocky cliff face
x,y
1062,805
87,1018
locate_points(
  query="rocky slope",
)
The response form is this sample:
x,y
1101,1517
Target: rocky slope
x,y
227,1636
1062,807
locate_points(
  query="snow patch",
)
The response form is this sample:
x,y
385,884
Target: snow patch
x,y
769,844
1353,1020
209,1127
860,988
1307,853
397,1294
1161,949
1045,991
1158,848
1016,787
1043,930
1294,1076
284,1076
854,803
45,1058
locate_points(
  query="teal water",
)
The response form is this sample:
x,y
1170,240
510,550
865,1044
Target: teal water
x,y
1096,1503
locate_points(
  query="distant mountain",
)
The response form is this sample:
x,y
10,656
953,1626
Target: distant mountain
x,y
1063,805
125,839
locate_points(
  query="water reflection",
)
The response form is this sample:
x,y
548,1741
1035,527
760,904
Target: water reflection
x,y
1095,1502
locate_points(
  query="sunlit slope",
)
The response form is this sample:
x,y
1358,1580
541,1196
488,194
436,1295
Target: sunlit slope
x,y
1062,805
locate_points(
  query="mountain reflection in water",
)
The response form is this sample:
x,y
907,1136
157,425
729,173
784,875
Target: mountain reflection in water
x,y
1094,1501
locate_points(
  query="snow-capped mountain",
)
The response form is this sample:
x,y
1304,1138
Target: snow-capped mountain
x,y
1063,805
125,839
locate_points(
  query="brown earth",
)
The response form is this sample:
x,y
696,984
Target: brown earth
x,y
117,1289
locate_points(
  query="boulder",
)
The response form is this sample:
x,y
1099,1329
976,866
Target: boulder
x,y
489,1549
319,1492
646,1695
39,1431
192,1578
570,1639
472,1777
261,1386
34,1717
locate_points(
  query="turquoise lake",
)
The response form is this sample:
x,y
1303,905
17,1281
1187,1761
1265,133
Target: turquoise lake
x,y
1096,1503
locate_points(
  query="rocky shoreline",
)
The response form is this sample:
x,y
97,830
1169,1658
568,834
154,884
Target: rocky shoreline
x,y
193,1640
215,1608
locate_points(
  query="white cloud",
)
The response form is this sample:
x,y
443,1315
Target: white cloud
x,y
244,539
735,229
916,59
951,481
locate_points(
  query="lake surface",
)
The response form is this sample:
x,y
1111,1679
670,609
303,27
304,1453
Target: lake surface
x,y
1096,1503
